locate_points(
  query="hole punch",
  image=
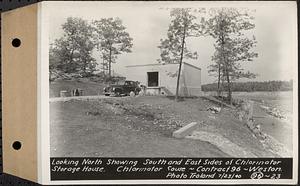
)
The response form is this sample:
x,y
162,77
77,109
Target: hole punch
x,y
17,145
16,42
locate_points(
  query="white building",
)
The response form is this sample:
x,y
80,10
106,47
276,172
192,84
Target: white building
x,y
161,79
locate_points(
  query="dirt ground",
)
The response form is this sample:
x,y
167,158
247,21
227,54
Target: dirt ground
x,y
89,87
142,127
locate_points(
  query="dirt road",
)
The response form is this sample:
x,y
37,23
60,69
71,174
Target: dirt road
x,y
64,99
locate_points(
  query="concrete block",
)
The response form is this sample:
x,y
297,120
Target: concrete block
x,y
186,130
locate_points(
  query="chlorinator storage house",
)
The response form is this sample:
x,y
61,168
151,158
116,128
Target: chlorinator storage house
x,y
161,79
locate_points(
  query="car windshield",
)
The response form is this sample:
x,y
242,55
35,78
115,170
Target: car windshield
x,y
129,83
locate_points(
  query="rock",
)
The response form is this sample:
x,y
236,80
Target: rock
x,y
241,115
250,124
256,130
214,110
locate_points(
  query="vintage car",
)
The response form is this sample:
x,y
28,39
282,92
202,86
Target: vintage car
x,y
122,89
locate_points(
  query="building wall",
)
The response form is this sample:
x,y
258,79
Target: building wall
x,y
168,78
191,81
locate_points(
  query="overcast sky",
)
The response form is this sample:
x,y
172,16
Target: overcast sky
x,y
147,23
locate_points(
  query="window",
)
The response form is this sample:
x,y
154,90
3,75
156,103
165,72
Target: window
x,y
152,79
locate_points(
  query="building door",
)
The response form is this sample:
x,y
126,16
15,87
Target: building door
x,y
152,79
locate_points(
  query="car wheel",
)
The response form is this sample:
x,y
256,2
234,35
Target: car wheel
x,y
132,94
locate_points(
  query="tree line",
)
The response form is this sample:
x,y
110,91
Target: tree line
x,y
229,27
71,54
253,86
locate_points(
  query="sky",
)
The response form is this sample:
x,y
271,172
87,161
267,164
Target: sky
x,y
147,23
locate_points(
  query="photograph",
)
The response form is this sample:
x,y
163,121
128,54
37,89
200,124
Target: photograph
x,y
172,79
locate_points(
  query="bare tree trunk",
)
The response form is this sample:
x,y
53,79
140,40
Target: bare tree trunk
x,y
109,64
221,94
103,67
68,69
219,79
229,87
224,59
180,63
225,64
84,68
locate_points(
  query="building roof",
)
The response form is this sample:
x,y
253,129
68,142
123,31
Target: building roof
x,y
157,64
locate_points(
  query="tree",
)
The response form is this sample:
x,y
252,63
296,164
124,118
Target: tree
x,y
111,39
215,69
72,53
173,49
104,66
232,46
254,86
